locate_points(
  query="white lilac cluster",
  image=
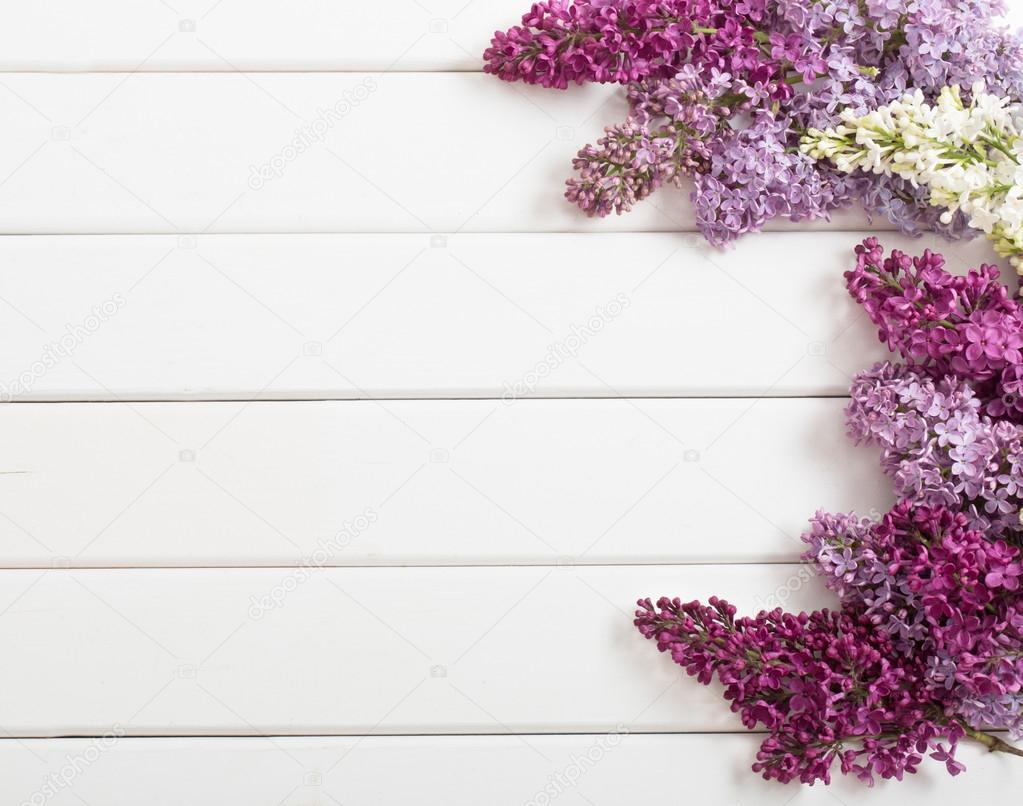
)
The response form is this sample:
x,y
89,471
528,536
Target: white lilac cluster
x,y
969,156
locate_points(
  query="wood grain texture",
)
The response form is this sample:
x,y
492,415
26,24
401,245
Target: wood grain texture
x,y
478,316
444,482
293,152
602,770
354,651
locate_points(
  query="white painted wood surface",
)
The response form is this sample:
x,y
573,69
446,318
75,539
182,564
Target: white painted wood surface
x,y
261,35
454,771
488,316
419,253
360,650
446,482
258,35
394,152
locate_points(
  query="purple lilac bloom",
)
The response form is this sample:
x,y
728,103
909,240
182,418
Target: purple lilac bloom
x,y
787,65
561,42
661,142
966,325
939,448
625,166
927,648
944,594
752,176
826,687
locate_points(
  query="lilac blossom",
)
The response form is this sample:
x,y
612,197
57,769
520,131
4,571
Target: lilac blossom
x,y
828,688
939,448
560,42
944,594
635,158
752,176
967,325
738,83
926,649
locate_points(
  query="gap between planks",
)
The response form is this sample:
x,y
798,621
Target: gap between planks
x,y
377,735
790,228
8,737
420,399
438,566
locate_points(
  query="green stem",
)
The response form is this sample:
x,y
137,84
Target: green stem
x,y
1000,146
993,743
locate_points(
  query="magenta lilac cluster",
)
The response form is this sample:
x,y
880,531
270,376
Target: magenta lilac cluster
x,y
926,646
721,91
944,594
967,325
560,43
827,687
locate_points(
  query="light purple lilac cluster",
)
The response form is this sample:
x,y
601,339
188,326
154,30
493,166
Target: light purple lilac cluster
x,y
722,90
946,595
939,448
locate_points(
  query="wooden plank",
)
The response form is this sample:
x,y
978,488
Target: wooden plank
x,y
452,771
262,35
479,316
437,482
355,651
327,152
257,34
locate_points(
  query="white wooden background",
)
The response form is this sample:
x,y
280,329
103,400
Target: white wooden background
x,y
403,357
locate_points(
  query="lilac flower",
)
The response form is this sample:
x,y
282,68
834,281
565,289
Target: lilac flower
x,y
967,325
950,599
789,65
928,645
654,146
627,165
828,688
560,42
752,177
938,446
